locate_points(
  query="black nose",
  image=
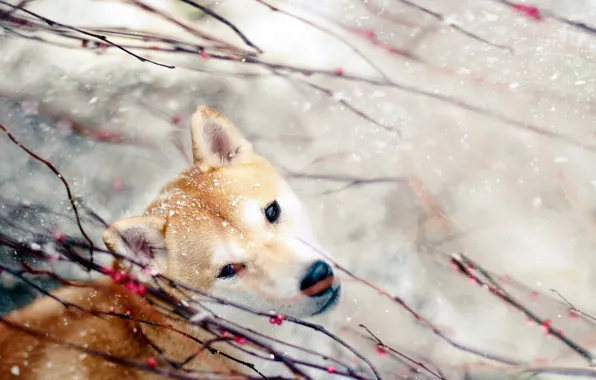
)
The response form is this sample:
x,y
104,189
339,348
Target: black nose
x,y
318,279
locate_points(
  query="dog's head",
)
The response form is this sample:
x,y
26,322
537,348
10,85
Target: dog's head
x,y
232,226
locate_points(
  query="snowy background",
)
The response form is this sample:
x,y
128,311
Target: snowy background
x,y
487,148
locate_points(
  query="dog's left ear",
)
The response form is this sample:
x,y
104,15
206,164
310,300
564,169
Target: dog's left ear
x,y
215,141
139,238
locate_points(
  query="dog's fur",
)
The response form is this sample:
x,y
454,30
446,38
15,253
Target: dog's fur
x,y
210,216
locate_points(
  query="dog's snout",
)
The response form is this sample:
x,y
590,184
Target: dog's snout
x,y
318,279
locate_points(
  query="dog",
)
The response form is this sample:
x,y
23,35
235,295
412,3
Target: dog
x,y
229,225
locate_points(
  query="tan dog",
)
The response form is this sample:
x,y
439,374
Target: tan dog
x,y
229,225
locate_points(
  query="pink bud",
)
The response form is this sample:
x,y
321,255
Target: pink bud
x,y
58,235
339,71
103,136
117,184
366,33
330,369
541,361
573,314
530,11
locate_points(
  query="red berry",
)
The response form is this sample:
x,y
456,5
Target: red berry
x,y
119,276
58,235
141,289
151,362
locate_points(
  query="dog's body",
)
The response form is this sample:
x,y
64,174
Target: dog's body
x,y
229,225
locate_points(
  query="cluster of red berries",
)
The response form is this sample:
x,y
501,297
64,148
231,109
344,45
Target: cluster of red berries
x,y
276,319
122,277
238,339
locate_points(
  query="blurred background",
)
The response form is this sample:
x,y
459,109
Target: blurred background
x,y
411,129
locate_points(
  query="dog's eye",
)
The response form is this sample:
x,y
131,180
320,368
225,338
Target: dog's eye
x,y
272,212
230,270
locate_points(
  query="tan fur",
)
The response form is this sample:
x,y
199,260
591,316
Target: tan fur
x,y
194,216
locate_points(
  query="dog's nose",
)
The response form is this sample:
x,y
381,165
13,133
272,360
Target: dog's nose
x,y
318,279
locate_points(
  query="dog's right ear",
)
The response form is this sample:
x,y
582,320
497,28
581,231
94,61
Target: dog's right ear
x,y
215,141
139,238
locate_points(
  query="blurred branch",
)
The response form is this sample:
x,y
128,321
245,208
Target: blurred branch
x,y
99,37
468,268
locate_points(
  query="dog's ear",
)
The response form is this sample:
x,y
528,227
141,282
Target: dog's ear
x,y
215,141
139,238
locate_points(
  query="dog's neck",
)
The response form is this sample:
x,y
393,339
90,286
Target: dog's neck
x,y
154,321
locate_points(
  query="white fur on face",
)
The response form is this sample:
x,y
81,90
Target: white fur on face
x,y
228,253
252,214
282,292
291,206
